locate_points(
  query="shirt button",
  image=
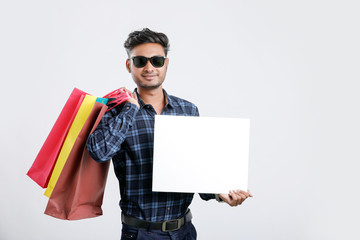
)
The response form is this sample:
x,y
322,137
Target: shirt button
x,y
127,107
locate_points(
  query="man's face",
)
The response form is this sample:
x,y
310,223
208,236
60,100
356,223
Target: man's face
x,y
147,77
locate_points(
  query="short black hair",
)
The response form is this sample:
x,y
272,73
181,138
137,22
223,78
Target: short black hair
x,y
146,36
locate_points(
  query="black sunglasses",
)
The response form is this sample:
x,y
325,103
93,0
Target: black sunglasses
x,y
141,61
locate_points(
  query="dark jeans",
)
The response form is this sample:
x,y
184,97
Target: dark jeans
x,y
186,232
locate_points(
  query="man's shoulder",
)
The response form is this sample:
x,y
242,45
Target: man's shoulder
x,y
184,106
180,101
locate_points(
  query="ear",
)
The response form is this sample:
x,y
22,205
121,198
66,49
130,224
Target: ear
x,y
166,63
128,65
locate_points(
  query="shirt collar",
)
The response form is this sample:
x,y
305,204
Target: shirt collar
x,y
168,101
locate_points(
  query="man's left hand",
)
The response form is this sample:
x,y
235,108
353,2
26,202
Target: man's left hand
x,y
235,198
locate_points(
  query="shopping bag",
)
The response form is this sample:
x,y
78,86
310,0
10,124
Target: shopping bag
x,y
76,126
43,165
79,190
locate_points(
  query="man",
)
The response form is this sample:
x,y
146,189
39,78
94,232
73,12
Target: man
x,y
126,134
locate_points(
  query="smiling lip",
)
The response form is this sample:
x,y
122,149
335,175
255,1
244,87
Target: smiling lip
x,y
149,76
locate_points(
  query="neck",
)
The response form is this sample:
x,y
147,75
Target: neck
x,y
155,97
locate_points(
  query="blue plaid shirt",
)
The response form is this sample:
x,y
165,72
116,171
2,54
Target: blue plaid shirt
x,y
126,134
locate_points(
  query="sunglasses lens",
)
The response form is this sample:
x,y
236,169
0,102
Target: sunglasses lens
x,y
157,61
140,61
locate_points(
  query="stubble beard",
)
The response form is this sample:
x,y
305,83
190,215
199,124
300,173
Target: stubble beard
x,y
150,87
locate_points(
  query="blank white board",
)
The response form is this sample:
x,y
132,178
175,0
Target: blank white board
x,y
200,154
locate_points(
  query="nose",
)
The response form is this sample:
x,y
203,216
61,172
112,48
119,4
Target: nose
x,y
148,67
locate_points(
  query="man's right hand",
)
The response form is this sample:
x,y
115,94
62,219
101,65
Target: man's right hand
x,y
134,99
119,96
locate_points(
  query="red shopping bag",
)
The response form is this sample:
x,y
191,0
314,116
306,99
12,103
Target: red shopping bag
x,y
43,165
79,190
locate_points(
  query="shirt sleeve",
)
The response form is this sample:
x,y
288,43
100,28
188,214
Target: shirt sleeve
x,y
111,132
195,112
207,196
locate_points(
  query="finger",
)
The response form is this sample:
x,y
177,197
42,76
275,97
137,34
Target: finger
x,y
134,95
232,195
244,193
225,198
240,197
235,198
231,199
250,195
240,191
134,99
128,91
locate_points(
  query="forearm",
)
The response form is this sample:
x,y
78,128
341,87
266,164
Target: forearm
x,y
111,132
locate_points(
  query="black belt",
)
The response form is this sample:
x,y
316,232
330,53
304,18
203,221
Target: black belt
x,y
167,226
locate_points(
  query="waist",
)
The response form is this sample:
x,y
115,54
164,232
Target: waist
x,y
165,226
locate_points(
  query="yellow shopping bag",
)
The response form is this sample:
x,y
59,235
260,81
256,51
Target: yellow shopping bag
x,y
78,123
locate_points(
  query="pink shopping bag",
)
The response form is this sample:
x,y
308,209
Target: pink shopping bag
x,y
43,165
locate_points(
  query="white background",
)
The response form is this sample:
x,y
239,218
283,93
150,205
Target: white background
x,y
292,67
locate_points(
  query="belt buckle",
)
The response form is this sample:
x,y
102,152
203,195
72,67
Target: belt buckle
x,y
163,225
